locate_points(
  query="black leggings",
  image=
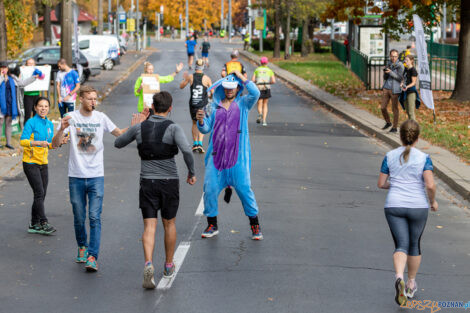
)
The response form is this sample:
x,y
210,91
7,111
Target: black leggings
x,y
29,102
38,178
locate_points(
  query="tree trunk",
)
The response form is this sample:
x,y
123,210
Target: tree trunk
x,y
3,33
277,27
66,28
287,32
462,79
100,17
47,25
304,50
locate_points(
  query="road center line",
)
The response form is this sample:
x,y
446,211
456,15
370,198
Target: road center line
x,y
180,254
200,207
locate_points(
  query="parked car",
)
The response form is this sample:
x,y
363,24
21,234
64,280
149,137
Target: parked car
x,y
106,48
93,64
51,55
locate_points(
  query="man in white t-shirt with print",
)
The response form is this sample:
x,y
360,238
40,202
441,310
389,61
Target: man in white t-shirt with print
x,y
85,129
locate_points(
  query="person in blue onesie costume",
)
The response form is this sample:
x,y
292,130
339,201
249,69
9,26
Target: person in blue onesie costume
x,y
228,159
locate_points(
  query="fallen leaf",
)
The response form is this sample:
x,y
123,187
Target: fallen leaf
x,y
439,226
234,231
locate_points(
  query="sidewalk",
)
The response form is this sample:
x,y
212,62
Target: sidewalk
x,y
447,166
10,160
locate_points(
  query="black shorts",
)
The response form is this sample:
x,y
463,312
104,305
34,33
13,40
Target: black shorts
x,y
193,111
159,194
265,94
190,54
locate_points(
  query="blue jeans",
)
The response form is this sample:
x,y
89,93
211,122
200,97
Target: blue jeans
x,y
80,189
407,226
65,107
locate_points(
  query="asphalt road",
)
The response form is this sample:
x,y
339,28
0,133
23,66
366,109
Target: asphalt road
x,y
327,246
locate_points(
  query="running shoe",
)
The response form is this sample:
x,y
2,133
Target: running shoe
x,y
256,233
35,229
410,292
91,264
201,149
210,231
393,130
259,119
195,148
47,228
387,125
82,254
400,296
169,271
149,280
265,124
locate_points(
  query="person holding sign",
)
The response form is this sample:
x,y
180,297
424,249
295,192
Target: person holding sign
x,y
11,98
30,97
154,80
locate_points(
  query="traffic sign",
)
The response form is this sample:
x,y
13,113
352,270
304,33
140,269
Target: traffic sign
x,y
131,25
259,23
122,17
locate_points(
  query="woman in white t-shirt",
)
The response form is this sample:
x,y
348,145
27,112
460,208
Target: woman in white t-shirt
x,y
407,173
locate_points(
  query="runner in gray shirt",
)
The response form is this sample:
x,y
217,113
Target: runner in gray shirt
x,y
158,141
160,169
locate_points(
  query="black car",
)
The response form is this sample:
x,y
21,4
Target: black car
x,y
51,55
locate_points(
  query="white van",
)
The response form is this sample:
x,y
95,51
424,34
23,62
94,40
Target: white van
x,y
106,48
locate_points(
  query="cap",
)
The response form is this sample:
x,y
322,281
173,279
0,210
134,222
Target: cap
x,y
264,60
234,54
3,63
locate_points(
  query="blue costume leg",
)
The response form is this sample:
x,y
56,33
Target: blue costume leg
x,y
241,182
214,183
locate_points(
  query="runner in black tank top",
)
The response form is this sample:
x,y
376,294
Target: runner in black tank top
x,y
198,92
199,85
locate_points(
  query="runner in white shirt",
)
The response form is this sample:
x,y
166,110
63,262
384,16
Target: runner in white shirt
x,y
85,128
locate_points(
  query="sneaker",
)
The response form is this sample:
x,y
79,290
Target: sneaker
x,y
195,148
265,124
259,119
9,147
91,264
410,292
201,149
387,125
393,130
210,231
35,229
149,280
256,233
82,254
400,297
169,271
47,228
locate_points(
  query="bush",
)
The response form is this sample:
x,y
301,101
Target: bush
x,y
268,44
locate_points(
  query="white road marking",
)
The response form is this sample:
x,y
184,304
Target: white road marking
x,y
200,207
180,254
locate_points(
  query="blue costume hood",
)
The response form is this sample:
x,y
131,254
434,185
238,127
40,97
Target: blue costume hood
x,y
218,90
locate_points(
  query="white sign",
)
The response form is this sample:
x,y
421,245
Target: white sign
x,y
372,41
424,75
38,84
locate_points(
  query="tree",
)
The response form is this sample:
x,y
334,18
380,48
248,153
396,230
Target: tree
x,y
100,17
277,29
3,32
398,19
19,25
287,30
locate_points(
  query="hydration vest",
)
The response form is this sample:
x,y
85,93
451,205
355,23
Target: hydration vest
x,y
233,66
152,147
198,91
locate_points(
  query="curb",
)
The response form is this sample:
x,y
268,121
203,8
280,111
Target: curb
x,y
447,166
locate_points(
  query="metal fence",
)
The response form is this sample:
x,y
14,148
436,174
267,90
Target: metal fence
x,y
443,50
359,65
339,50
